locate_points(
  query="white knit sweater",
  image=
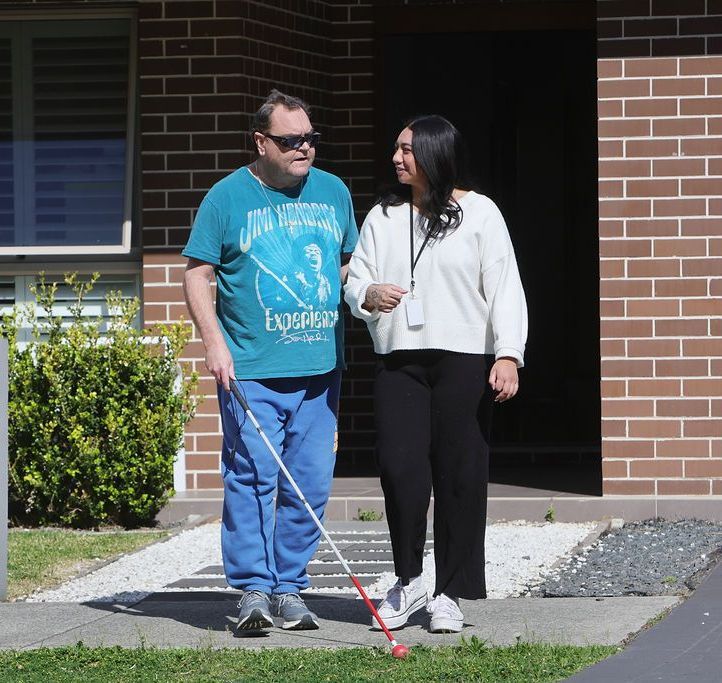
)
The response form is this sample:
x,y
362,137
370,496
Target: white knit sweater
x,y
468,282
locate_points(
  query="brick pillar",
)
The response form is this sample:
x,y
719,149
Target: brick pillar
x,y
660,207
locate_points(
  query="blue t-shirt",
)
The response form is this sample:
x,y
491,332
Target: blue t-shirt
x,y
277,259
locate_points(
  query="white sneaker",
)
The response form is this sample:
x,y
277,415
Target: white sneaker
x,y
446,617
400,603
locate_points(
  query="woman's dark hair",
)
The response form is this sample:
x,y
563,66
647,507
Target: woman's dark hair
x,y
439,153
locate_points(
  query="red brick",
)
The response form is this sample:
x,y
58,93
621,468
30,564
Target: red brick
x,y
678,127
716,410
651,107
624,247
627,449
682,487
715,247
700,106
626,368
680,207
634,68
708,146
678,86
684,367
680,288
650,148
612,428
657,308
646,348
611,188
610,109
679,328
628,487
701,186
654,268
613,388
614,469
609,229
210,443
691,66
680,247
701,267
683,408
203,424
616,329
623,289
702,307
626,128
610,308
714,86
207,480
609,68
716,448
623,87
624,168
610,268
703,468
609,149
682,448
655,429
654,387
653,469
627,408
702,347
613,348
715,206
201,461
652,188
692,227
703,387
702,427
714,126
679,167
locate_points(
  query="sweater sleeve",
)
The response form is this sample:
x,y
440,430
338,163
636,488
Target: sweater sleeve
x,y
503,291
362,272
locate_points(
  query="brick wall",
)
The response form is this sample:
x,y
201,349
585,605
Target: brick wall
x,y
660,193
204,67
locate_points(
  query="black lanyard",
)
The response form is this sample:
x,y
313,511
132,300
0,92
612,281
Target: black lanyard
x,y
414,261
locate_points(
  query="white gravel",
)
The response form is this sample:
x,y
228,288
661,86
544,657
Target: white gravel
x,y
517,554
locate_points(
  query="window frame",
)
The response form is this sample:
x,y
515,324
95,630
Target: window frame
x,y
20,110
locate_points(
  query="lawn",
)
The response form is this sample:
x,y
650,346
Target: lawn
x,y
42,558
472,661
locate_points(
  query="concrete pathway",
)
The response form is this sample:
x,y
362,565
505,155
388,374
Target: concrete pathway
x,y
686,646
206,619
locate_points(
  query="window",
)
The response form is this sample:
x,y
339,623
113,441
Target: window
x,y
66,131
16,290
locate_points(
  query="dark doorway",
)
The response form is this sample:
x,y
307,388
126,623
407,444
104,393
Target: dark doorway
x,y
525,102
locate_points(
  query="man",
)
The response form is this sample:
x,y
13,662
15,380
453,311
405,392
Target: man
x,y
283,348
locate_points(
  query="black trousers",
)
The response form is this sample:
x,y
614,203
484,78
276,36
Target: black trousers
x,y
426,405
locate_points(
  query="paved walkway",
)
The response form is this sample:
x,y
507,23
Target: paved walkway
x,y
685,646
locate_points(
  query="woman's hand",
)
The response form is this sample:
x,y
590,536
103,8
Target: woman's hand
x,y
383,297
504,379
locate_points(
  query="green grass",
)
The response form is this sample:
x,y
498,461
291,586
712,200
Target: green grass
x,y
42,558
472,661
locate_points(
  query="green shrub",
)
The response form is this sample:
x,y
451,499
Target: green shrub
x,y
95,418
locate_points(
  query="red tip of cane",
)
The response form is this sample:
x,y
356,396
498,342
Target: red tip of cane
x,y
399,651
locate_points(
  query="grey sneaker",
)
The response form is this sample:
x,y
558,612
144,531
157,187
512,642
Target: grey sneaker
x,y
255,612
292,609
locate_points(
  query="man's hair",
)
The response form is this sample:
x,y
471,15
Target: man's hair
x,y
262,118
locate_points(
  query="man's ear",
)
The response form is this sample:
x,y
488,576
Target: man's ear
x,y
258,139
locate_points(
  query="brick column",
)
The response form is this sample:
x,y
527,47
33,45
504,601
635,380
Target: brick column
x,y
660,207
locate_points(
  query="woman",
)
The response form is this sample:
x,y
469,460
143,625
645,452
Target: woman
x,y
435,278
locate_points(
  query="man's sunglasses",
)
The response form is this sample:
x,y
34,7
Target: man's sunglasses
x,y
295,141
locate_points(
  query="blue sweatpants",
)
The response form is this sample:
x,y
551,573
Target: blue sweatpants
x,y
267,535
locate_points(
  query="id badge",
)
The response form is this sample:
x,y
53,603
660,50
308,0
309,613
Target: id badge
x,y
414,311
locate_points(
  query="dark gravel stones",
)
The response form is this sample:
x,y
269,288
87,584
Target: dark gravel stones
x,y
654,557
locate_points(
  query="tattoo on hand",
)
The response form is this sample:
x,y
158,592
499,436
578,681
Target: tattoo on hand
x,y
373,297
